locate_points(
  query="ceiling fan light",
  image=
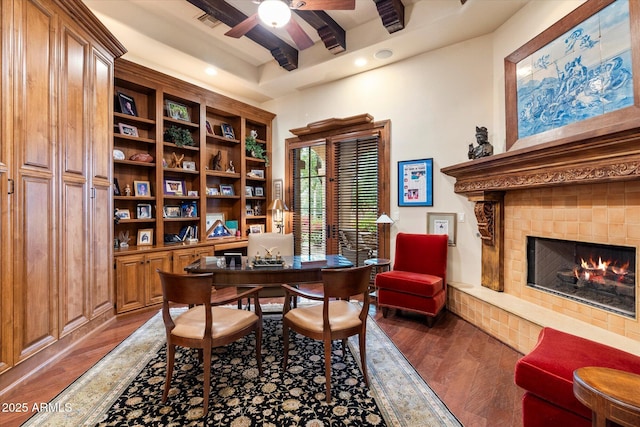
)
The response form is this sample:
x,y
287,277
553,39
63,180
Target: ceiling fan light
x,y
274,13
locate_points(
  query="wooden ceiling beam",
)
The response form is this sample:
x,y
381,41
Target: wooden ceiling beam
x,y
285,54
332,34
391,13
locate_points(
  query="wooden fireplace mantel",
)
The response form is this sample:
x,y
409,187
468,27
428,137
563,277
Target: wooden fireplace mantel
x,y
604,158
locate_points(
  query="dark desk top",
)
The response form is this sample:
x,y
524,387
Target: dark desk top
x,y
298,262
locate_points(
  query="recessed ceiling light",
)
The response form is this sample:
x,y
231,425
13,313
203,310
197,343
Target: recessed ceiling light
x,y
360,62
211,71
383,54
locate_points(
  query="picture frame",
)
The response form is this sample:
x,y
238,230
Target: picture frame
x,y
177,111
278,192
227,131
213,191
116,187
145,237
232,225
209,128
123,213
127,104
443,223
226,190
189,165
540,68
258,191
248,191
415,182
174,187
256,229
258,173
189,210
141,188
128,130
143,211
193,193
217,230
172,211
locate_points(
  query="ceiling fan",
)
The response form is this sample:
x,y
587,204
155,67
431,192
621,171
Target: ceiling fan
x,y
277,13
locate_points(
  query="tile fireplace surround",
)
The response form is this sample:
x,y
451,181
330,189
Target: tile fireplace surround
x,y
586,190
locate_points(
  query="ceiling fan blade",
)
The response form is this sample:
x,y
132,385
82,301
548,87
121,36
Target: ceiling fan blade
x,y
323,4
244,27
300,38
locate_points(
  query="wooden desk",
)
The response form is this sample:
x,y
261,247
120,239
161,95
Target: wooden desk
x,y
611,395
295,271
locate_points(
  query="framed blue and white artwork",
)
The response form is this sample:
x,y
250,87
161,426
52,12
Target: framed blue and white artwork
x,y
575,77
415,182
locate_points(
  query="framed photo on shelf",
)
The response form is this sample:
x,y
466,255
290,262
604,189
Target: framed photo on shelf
x,y
127,104
227,131
145,237
226,190
258,173
415,182
259,191
256,229
172,212
127,129
174,187
141,188
442,223
212,191
248,191
177,111
188,165
123,213
209,128
116,187
193,193
143,211
189,210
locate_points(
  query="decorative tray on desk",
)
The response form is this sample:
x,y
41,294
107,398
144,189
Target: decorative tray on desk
x,y
268,262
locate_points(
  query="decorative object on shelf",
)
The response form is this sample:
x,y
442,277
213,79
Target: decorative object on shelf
x,y
211,218
255,149
248,191
253,134
256,229
141,188
209,128
179,136
227,131
193,193
123,214
127,190
175,160
145,237
232,225
384,219
258,191
177,111
116,187
143,211
212,191
226,190
216,161
188,165
128,130
123,238
442,223
257,209
278,208
256,173
415,182
127,104
217,230
118,155
231,168
142,157
172,212
484,147
174,187
189,210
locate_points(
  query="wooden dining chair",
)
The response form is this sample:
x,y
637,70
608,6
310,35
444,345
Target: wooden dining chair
x,y
337,318
205,325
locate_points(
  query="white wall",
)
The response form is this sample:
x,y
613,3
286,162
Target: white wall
x,y
434,102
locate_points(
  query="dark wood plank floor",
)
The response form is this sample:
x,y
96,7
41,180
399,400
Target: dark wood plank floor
x,y
470,371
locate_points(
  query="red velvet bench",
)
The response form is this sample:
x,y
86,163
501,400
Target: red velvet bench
x,y
546,375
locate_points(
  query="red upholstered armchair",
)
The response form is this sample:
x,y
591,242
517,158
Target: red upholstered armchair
x,y
418,281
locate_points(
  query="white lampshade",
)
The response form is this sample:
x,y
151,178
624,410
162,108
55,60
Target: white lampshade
x,y
384,219
274,13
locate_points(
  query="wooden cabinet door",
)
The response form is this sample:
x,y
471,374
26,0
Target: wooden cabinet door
x,y
156,261
182,258
131,271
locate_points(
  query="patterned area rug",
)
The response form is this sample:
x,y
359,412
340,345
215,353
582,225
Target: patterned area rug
x,y
125,387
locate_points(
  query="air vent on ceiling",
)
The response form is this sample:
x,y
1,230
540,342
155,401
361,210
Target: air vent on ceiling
x,y
209,20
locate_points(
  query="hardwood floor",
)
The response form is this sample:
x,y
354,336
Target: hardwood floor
x,y
470,371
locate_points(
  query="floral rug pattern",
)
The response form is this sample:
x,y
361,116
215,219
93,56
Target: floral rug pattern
x,y
125,388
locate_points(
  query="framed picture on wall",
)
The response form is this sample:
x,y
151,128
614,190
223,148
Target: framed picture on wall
x,y
442,223
415,182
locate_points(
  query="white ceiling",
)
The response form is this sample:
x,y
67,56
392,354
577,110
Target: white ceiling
x,y
167,35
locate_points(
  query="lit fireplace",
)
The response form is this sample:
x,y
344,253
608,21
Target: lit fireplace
x,y
599,275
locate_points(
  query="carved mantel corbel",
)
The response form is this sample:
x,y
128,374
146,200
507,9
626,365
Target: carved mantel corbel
x,y
489,211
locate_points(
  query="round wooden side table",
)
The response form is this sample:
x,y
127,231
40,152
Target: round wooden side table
x,y
612,395
379,265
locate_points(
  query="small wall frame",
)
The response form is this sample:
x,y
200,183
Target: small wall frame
x,y
443,223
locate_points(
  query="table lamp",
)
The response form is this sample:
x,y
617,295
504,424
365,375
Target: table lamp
x,y
278,207
384,219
